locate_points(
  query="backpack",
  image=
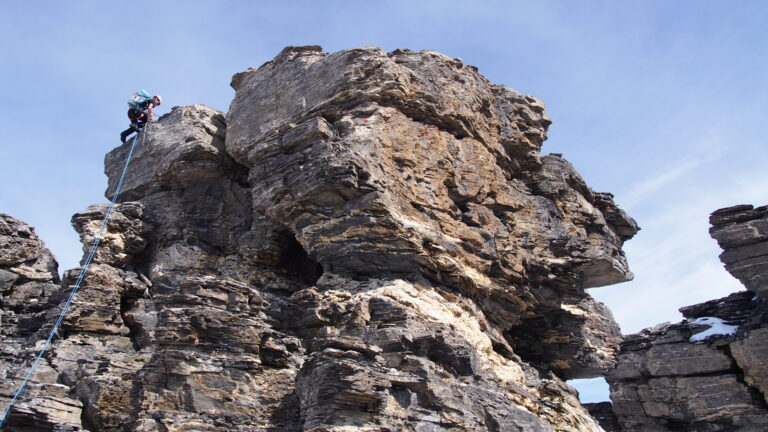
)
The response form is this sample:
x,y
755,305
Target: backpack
x,y
139,98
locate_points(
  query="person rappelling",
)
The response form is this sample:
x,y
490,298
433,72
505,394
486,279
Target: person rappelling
x,y
140,107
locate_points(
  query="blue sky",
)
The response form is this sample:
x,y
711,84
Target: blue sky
x,y
662,103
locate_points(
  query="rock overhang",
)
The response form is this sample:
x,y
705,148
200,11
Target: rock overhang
x,y
345,123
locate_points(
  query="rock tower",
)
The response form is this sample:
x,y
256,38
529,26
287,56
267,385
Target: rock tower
x,y
366,241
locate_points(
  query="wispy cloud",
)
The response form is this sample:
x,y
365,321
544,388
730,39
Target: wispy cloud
x,y
650,187
674,260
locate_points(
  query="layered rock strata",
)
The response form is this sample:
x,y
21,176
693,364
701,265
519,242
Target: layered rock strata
x,y
709,372
29,282
603,413
742,232
366,241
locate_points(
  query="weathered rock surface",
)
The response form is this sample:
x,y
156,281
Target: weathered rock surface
x,y
410,163
707,373
603,413
119,241
82,380
28,280
742,232
366,241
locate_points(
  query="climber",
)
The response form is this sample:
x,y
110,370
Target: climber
x,y
140,112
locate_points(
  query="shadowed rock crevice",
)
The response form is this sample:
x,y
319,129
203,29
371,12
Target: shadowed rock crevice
x,y
294,261
540,340
127,305
758,397
287,416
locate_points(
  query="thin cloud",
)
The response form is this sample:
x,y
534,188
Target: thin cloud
x,y
650,187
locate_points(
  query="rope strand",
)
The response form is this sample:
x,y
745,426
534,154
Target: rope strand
x,y
87,262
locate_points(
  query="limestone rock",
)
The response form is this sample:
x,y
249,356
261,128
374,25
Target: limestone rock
x,y
742,232
23,254
751,355
120,240
708,372
411,357
367,241
373,177
603,413
193,193
664,382
28,282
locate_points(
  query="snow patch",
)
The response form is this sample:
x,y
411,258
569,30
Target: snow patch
x,y
716,327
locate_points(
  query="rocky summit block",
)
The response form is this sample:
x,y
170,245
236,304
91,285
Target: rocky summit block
x,y
412,163
366,240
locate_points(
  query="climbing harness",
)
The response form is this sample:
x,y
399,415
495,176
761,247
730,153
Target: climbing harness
x,y
80,278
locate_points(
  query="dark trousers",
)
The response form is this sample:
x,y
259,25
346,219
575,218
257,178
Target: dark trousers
x,y
138,121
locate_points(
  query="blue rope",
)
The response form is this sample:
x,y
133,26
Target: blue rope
x,y
80,278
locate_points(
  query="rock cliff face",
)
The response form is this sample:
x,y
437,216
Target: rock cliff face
x,y
709,372
29,282
365,241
